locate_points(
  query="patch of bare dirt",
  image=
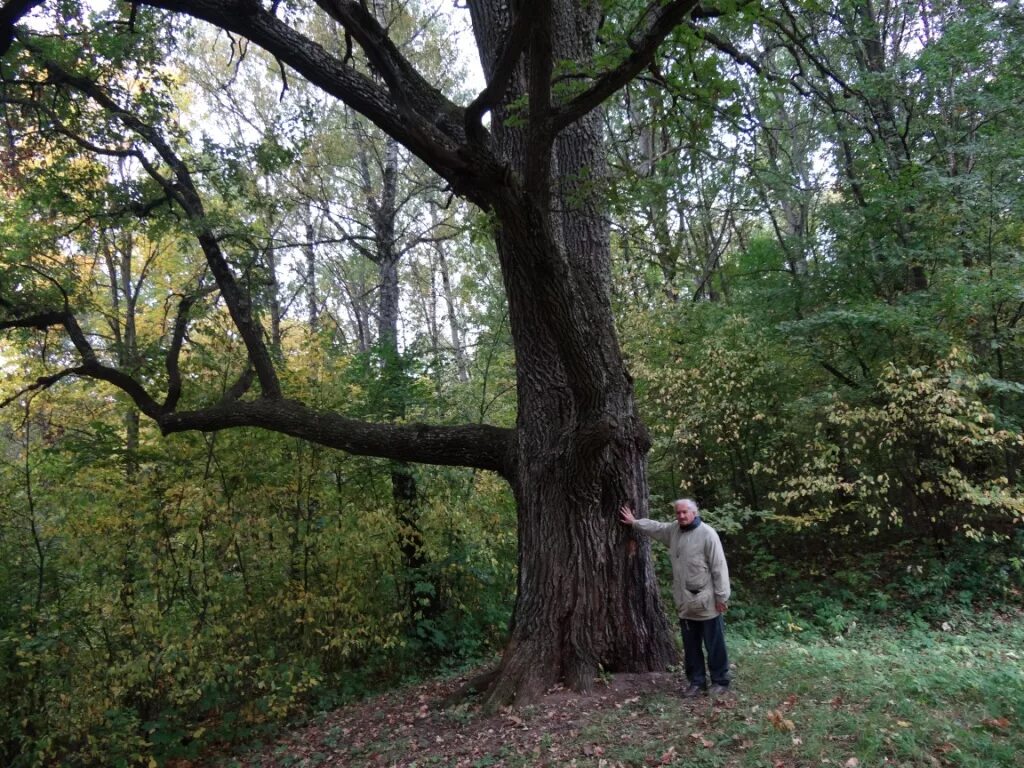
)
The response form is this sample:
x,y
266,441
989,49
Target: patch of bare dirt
x,y
409,728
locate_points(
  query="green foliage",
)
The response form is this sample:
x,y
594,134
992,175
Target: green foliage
x,y
924,451
842,588
721,406
208,596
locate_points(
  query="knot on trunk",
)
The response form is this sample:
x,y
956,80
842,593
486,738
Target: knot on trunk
x,y
595,435
643,438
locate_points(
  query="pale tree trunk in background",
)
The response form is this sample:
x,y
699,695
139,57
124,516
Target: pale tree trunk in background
x,y
273,299
454,322
122,323
309,274
119,254
382,204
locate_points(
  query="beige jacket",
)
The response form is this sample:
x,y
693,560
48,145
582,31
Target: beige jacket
x,y
700,575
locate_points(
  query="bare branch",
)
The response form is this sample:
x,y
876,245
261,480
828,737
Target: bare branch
x,y
240,387
91,366
728,48
174,352
284,79
839,374
40,384
657,22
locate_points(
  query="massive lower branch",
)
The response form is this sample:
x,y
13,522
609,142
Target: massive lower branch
x,y
476,445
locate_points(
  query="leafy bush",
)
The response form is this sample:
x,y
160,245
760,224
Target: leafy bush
x,y
146,617
924,452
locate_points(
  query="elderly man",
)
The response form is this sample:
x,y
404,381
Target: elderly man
x,y
700,588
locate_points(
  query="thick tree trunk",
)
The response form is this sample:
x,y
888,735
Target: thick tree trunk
x,y
587,599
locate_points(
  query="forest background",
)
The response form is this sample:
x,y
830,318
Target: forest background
x,y
817,216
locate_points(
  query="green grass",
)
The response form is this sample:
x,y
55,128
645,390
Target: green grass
x,y
880,699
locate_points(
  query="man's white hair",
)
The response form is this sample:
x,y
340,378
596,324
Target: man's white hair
x,y
687,502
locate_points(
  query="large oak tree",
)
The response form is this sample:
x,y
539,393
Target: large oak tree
x,y
587,599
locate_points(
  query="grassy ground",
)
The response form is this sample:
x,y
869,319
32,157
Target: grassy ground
x,y
902,700
946,697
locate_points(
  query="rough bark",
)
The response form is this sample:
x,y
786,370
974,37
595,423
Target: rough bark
x,y
586,597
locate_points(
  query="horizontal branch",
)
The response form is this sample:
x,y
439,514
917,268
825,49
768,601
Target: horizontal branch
x,y
40,384
476,445
39,321
90,368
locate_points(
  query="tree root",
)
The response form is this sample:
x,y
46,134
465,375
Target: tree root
x,y
472,687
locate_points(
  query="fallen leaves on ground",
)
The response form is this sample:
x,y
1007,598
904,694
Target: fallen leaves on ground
x,y
702,740
779,721
405,728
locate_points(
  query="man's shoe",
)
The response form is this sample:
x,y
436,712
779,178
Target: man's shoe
x,y
718,690
693,691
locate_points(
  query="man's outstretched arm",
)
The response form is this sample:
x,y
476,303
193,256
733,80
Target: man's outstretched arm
x,y
660,531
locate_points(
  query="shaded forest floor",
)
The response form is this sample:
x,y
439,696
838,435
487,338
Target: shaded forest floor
x,y
946,697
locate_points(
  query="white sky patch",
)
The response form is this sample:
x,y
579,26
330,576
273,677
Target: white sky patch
x,y
469,56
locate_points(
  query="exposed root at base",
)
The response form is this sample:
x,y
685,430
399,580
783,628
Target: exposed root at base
x,y
471,688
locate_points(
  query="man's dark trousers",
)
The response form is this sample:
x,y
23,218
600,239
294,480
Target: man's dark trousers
x,y
711,635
